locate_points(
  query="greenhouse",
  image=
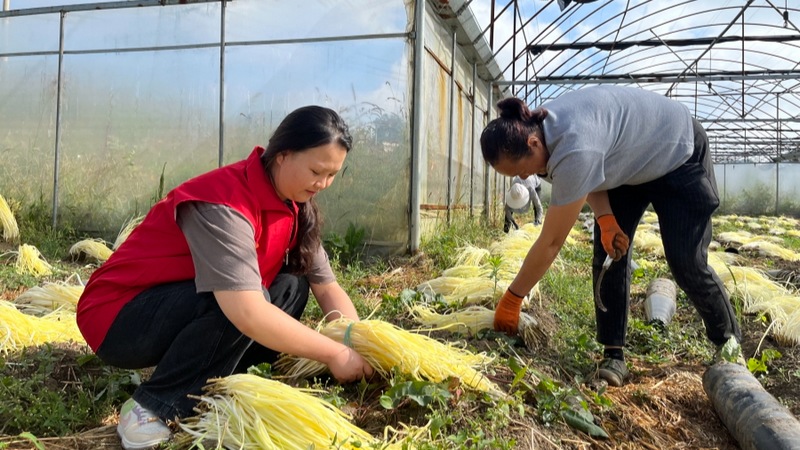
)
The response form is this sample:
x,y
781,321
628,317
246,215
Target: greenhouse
x,y
107,104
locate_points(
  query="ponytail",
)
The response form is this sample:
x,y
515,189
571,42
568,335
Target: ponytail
x,y
515,109
507,136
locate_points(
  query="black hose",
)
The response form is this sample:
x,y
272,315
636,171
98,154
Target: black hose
x,y
751,414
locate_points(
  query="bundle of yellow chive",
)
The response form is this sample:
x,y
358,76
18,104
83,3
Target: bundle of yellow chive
x,y
245,411
19,330
7,222
386,346
126,231
473,319
760,294
93,248
31,262
44,299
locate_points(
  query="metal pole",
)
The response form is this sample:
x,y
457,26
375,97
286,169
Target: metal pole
x,y
725,185
778,159
472,139
489,108
743,89
416,127
220,161
56,161
491,29
514,51
450,125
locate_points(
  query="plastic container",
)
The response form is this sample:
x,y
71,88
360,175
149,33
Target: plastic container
x,y
660,302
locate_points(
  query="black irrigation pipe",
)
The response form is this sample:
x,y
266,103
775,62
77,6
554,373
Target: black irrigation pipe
x,y
752,415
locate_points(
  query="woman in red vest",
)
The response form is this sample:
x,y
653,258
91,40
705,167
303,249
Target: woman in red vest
x,y
216,277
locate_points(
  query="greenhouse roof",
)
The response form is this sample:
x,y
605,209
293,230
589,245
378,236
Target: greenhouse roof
x,y
735,64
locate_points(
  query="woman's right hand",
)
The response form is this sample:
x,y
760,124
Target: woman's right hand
x,y
348,365
615,241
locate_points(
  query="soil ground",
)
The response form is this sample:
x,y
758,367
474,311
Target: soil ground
x,y
663,406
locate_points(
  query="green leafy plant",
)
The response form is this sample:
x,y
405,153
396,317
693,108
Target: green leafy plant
x,y
556,401
159,192
495,261
758,366
348,248
422,393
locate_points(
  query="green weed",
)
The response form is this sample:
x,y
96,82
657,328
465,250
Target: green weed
x,y
348,248
54,391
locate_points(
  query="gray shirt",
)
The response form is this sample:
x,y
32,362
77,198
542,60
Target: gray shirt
x,y
603,137
224,252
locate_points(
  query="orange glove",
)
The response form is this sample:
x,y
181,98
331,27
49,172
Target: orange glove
x,y
615,241
506,315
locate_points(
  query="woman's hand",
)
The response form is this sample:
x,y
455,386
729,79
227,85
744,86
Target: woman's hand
x,y
615,241
271,327
506,314
348,365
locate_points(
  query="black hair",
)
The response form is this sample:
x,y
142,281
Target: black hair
x,y
303,129
507,135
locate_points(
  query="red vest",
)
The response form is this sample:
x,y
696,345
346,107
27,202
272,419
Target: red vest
x,y
156,251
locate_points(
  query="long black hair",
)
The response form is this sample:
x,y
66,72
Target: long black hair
x,y
303,129
507,135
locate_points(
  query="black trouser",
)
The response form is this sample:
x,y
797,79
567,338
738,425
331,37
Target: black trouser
x,y
189,340
684,200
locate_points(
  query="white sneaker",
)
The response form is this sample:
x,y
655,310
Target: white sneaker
x,y
139,428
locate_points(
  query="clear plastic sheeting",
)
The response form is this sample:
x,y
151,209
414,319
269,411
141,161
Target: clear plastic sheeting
x,y
257,20
140,103
734,65
28,34
123,126
756,189
27,127
367,83
143,27
453,178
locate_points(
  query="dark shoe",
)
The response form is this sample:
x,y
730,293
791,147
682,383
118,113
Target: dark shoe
x,y
614,371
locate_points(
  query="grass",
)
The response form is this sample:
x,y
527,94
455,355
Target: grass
x,y
442,244
54,391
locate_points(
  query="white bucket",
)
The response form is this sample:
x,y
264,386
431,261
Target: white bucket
x,y
660,302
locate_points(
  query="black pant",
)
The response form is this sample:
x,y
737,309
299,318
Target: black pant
x,y
684,200
189,340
